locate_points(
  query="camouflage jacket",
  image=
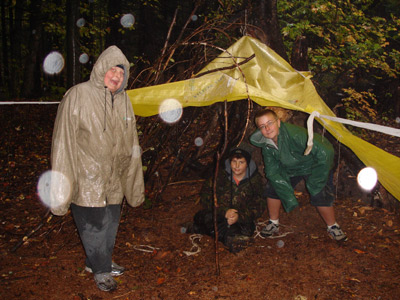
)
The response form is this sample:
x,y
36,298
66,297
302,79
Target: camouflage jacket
x,y
247,197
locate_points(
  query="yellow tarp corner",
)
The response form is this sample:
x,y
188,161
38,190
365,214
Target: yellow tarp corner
x,y
269,81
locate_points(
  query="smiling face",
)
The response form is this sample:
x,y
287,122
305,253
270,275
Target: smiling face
x,y
114,78
239,166
269,126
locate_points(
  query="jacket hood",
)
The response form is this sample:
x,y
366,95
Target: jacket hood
x,y
109,58
251,169
259,140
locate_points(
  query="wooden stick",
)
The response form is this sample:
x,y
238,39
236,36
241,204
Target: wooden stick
x,y
30,233
219,155
186,181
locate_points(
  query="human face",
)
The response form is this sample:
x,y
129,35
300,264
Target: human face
x,y
269,127
114,78
239,166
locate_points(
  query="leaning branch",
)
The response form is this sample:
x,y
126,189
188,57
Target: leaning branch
x,y
45,219
235,65
226,68
219,155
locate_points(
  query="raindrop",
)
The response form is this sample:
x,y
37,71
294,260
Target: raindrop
x,y
53,188
170,111
367,178
198,141
83,58
127,20
53,63
80,22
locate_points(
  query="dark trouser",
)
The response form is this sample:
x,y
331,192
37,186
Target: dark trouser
x,y
97,227
204,224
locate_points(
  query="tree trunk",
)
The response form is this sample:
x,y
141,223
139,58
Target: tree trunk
x,y
299,59
73,67
5,34
31,84
114,37
265,16
15,48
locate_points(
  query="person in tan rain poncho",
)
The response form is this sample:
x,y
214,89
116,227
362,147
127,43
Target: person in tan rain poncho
x,y
95,147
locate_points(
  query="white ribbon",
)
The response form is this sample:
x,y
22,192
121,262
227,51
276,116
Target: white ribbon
x,y
310,129
26,102
370,126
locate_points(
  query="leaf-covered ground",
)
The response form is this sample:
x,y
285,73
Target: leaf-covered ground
x,y
49,264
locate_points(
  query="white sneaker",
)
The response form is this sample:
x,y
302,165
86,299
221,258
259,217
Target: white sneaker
x,y
116,270
337,234
105,282
269,229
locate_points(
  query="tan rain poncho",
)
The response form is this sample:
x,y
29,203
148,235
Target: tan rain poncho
x,y
95,145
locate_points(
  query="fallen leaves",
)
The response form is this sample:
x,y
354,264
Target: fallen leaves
x,y
359,251
160,280
363,209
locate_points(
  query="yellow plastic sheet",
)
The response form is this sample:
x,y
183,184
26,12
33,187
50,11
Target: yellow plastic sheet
x,y
270,81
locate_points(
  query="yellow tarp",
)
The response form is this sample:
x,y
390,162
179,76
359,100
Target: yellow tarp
x,y
271,81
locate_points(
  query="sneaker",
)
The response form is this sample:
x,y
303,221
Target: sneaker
x,y
116,270
105,282
269,229
337,234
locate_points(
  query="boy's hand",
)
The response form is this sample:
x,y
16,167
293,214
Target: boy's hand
x,y
231,216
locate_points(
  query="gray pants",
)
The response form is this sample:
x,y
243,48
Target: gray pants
x,y
97,227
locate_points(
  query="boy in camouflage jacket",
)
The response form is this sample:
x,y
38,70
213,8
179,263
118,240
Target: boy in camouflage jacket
x,y
240,198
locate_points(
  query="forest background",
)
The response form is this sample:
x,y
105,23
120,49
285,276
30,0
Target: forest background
x,y
352,49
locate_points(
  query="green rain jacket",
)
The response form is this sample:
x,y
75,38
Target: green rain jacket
x,y
287,160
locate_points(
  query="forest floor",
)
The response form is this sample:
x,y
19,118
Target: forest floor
x,y
50,263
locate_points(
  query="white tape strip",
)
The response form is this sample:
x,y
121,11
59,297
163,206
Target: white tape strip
x,y
26,102
310,129
370,126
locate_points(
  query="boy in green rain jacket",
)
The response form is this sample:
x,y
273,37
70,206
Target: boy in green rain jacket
x,y
283,147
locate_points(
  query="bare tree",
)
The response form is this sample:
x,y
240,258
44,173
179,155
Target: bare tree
x,y
73,73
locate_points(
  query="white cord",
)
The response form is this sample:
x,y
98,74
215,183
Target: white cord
x,y
143,248
263,224
195,248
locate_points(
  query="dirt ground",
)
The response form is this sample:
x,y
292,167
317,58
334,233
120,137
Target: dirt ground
x,y
309,265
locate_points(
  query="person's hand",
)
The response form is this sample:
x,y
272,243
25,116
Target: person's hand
x,y
231,216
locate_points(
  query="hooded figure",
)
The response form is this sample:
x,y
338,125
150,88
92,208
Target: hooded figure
x,y
240,197
95,143
96,150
